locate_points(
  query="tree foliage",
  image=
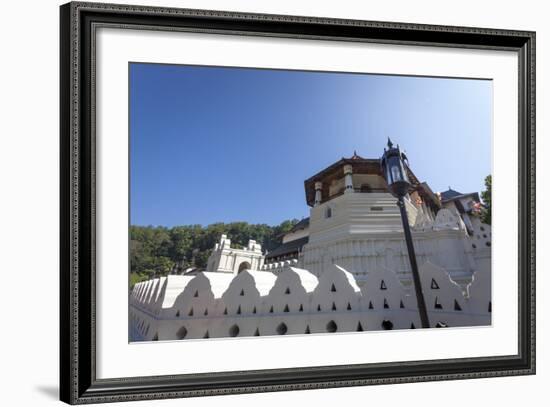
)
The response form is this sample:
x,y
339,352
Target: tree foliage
x,y
486,196
155,250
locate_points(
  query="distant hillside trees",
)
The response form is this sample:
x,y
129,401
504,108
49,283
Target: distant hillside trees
x,y
155,250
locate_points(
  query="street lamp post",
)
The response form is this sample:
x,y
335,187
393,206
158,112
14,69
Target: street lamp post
x,y
393,166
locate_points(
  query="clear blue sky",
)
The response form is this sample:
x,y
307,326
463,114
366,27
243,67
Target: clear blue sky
x,y
211,144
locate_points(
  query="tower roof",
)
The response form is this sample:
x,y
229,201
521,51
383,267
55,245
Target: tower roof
x,y
451,195
334,171
294,246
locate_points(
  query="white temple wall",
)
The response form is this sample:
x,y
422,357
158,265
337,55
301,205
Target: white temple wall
x,y
359,223
354,213
447,249
291,292
143,324
333,303
284,324
362,254
337,290
247,293
330,322
384,298
479,293
291,300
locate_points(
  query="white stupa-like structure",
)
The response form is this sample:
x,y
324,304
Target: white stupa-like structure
x,y
345,268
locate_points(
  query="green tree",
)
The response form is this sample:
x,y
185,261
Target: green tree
x,y
486,197
202,258
182,244
150,249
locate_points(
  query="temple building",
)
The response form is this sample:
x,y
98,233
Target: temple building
x,y
350,198
344,268
466,205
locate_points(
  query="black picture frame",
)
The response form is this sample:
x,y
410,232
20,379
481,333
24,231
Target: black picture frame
x,y
78,382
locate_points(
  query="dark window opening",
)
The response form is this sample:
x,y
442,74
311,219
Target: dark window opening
x,y
387,325
332,327
182,333
386,305
282,328
437,304
383,285
434,285
234,331
359,327
333,288
286,308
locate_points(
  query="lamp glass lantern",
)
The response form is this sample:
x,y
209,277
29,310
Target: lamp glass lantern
x,y
393,166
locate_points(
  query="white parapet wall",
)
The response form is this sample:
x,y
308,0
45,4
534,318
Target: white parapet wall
x,y
296,301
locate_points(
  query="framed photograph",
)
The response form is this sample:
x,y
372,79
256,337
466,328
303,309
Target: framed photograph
x,y
255,203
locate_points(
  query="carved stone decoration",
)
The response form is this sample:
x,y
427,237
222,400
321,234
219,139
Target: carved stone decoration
x,y
445,219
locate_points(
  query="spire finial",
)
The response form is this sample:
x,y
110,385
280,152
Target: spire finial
x,y
390,144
